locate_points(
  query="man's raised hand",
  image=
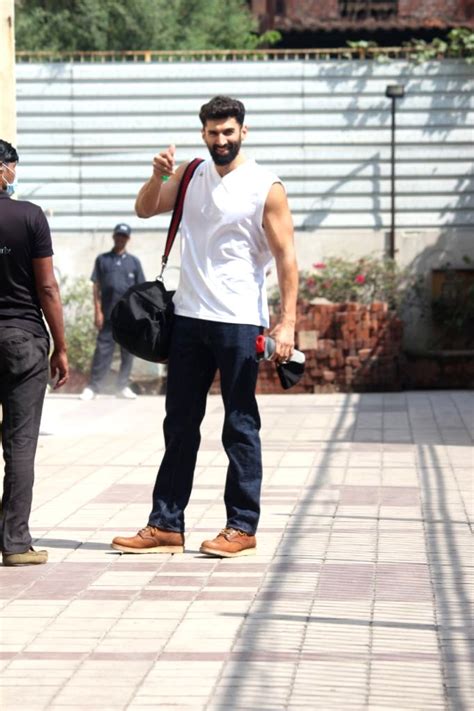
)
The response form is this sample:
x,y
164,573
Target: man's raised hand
x,y
164,163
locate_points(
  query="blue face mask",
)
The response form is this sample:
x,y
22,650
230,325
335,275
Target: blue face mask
x,y
13,186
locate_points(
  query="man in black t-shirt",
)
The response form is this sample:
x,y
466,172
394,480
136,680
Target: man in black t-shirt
x,y
114,272
28,290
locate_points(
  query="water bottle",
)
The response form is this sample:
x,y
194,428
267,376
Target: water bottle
x,y
265,347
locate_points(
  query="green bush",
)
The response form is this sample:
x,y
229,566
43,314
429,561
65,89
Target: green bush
x,y
364,280
459,44
79,326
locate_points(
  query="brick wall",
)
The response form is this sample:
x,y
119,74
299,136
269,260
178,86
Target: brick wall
x,y
306,11
314,9
348,347
429,8
439,370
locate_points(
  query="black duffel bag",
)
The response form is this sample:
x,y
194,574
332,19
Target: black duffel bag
x,y
142,319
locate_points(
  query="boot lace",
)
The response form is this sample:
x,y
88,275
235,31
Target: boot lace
x,y
230,531
146,530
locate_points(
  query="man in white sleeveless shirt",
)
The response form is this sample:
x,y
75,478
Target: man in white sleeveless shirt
x,y
235,219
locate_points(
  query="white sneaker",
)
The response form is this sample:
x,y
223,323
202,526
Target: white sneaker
x,y
87,394
127,393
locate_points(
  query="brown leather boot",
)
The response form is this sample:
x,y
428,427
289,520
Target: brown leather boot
x,y
230,543
151,540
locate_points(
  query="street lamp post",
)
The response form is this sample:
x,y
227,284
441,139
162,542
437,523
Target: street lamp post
x,y
393,92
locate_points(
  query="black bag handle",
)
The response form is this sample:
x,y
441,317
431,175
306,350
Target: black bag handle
x,y
178,210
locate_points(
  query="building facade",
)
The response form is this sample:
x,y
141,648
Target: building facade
x,y
353,15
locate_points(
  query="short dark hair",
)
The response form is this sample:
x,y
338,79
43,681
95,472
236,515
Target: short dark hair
x,y
8,153
222,107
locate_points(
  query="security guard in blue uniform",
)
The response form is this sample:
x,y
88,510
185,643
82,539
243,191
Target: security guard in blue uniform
x,y
114,272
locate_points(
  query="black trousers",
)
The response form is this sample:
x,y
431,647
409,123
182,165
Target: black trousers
x,y
102,360
23,380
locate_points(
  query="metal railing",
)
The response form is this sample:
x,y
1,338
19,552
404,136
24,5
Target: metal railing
x,y
218,55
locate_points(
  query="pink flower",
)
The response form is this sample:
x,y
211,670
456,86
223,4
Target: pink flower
x,y
310,281
319,265
360,279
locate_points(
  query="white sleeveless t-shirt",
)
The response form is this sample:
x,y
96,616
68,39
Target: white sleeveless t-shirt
x,y
224,250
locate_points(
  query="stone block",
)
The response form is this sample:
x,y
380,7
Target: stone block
x,y
307,340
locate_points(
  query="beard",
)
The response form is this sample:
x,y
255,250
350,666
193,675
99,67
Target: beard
x,y
225,158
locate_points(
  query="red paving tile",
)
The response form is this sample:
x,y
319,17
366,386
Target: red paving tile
x,y
403,582
172,594
346,581
178,580
226,596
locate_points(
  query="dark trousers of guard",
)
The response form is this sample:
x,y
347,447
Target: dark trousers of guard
x,y
23,380
102,360
198,349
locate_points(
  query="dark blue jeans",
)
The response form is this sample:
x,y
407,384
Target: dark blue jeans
x,y
198,349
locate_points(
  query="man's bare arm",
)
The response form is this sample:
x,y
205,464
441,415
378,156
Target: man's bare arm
x,y
278,226
48,293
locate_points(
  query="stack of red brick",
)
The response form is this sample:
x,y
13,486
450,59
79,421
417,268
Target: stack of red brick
x,y
348,346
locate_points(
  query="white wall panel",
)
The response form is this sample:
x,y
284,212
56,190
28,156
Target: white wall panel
x,y
309,120
263,105
104,221
115,186
87,134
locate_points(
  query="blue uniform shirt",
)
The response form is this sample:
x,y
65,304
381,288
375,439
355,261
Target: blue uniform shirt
x,y
115,273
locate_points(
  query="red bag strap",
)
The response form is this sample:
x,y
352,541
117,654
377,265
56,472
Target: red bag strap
x,y
178,210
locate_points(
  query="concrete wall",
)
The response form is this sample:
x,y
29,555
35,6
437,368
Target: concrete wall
x,y
87,134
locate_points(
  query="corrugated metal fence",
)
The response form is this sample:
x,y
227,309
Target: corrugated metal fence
x,y
87,134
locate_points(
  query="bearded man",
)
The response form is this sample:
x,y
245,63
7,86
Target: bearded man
x,y
235,219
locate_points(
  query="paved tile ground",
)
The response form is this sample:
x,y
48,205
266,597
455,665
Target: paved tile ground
x,y
358,597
